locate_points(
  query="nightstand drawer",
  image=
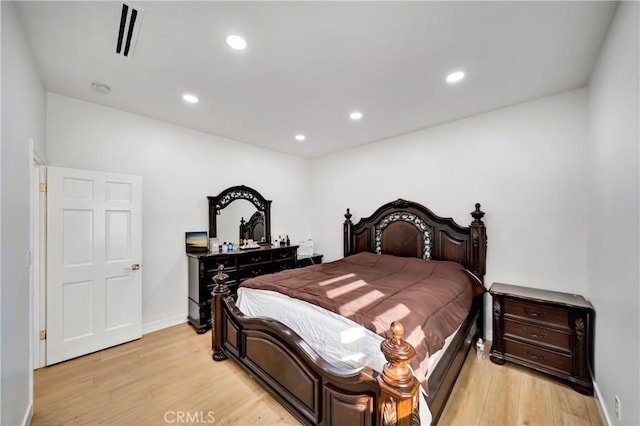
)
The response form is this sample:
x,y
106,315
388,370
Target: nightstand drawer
x,y
537,335
536,312
538,355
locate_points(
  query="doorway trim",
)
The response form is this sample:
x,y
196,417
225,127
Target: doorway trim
x,y
39,257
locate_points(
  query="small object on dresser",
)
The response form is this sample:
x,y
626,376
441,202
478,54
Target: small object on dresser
x,y
230,248
288,241
214,245
196,242
224,247
306,248
480,348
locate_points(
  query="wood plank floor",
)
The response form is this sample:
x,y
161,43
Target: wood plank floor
x,y
168,377
490,394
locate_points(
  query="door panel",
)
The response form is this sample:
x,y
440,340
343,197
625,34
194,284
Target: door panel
x,y
94,296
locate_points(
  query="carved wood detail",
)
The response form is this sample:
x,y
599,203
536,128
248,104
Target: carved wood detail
x,y
443,238
497,325
579,327
239,192
220,291
398,386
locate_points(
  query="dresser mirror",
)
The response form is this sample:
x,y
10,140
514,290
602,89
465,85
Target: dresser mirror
x,y
239,213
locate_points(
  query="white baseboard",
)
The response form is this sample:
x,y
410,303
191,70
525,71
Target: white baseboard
x,y
602,408
28,415
150,327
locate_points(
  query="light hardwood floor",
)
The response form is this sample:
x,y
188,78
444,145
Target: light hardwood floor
x,y
168,377
490,394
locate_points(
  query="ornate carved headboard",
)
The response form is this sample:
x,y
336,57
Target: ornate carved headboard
x,y
406,228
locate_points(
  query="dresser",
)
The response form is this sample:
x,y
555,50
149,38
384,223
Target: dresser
x,y
239,265
548,331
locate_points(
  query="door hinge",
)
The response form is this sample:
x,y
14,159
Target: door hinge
x,y
43,187
43,335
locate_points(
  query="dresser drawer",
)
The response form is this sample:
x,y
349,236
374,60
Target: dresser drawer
x,y
254,271
250,259
284,264
538,355
210,266
287,253
538,335
536,312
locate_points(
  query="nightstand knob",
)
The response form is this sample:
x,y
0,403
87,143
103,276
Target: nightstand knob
x,y
535,335
541,357
534,314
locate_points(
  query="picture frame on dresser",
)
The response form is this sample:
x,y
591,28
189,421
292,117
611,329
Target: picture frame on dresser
x,y
196,242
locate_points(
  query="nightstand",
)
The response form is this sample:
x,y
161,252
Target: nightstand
x,y
548,331
313,259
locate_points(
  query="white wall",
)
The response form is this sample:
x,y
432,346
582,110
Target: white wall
x,y
526,164
614,215
23,117
179,169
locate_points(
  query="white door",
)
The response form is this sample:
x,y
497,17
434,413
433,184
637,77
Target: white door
x,y
94,250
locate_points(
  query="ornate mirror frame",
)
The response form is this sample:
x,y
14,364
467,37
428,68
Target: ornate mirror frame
x,y
239,192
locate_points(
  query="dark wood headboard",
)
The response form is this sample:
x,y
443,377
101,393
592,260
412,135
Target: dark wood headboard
x,y
406,228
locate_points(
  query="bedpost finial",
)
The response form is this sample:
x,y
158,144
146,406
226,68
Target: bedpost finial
x,y
220,279
477,215
398,331
399,353
348,215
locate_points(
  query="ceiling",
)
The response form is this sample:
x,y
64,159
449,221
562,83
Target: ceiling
x,y
309,64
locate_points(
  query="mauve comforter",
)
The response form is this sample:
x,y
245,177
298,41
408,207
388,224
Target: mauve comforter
x,y
431,298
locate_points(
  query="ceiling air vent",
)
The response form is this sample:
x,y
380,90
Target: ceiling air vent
x,y
130,20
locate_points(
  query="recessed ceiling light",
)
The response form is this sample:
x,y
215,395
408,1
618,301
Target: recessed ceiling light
x,y
455,77
192,99
236,42
355,115
300,137
100,88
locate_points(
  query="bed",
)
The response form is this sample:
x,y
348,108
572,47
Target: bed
x,y
317,391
